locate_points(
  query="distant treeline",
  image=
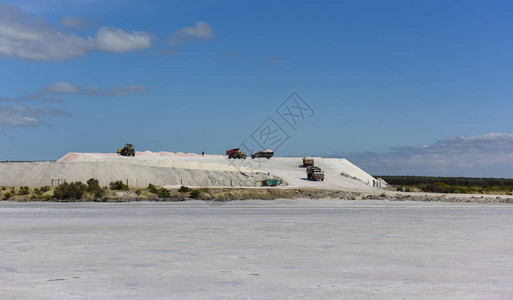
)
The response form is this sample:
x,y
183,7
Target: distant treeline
x,y
452,181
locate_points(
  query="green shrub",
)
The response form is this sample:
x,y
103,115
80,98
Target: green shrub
x,y
37,193
74,190
153,189
93,185
138,192
407,190
400,189
45,188
7,196
99,193
24,190
184,189
118,185
164,193
4,188
195,194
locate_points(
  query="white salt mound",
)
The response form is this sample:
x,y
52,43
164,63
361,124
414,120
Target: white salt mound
x,y
190,169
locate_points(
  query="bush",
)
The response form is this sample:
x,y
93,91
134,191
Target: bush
x,y
74,190
138,192
93,185
184,189
164,193
195,194
4,188
99,193
118,185
407,190
7,196
37,193
45,188
24,190
153,189
400,189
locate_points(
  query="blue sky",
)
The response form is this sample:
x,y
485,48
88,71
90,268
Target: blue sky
x,y
398,87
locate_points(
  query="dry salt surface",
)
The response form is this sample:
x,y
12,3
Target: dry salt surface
x,y
283,249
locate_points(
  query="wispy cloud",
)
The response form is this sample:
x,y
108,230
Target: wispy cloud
x,y
53,99
50,92
74,23
33,38
116,40
166,52
489,155
61,87
230,54
273,60
202,31
122,90
19,115
25,115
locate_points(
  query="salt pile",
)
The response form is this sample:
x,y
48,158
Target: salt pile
x,y
190,169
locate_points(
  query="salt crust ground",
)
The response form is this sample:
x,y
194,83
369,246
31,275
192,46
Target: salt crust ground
x,y
174,169
283,249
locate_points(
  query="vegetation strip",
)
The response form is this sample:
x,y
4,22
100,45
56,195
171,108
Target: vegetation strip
x,y
120,192
460,185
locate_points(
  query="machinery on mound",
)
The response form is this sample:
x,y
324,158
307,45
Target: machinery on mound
x,y
308,161
235,153
315,173
128,150
267,154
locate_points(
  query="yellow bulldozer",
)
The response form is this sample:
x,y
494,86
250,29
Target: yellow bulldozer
x,y
128,150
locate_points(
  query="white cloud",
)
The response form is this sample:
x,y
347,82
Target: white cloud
x,y
489,155
75,23
116,40
53,99
202,31
25,115
33,38
93,90
121,90
61,87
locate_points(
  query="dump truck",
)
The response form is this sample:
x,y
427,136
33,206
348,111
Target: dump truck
x,y
315,173
128,150
308,161
267,154
235,153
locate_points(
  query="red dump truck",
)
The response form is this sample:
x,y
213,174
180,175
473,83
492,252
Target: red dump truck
x,y
315,173
235,153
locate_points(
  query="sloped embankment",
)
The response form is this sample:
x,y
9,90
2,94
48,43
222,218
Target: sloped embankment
x,y
35,174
